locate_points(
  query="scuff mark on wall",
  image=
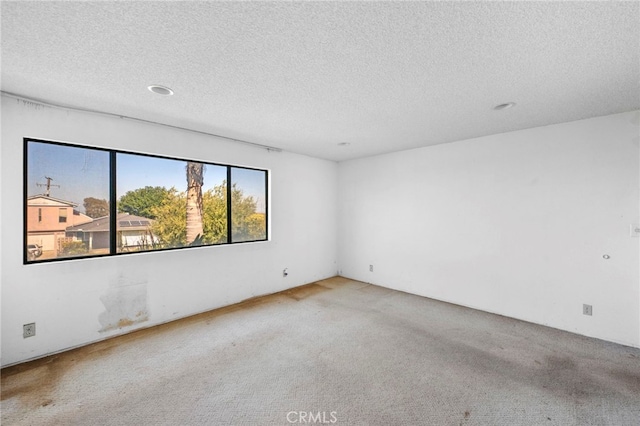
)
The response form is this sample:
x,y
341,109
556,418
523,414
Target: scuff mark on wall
x,y
125,304
30,104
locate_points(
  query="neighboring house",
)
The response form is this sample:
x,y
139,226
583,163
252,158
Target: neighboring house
x,y
48,218
134,233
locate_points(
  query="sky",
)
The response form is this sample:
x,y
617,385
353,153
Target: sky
x,y
84,172
137,171
79,172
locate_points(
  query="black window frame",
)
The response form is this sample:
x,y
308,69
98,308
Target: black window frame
x,y
113,205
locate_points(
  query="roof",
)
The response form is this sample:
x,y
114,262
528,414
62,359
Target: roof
x,y
125,222
43,200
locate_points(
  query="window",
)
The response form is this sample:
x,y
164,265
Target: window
x,y
248,204
180,203
59,179
126,202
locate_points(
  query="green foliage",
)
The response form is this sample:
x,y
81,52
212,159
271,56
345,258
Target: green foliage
x,y
214,203
95,207
170,225
247,225
257,226
143,201
72,248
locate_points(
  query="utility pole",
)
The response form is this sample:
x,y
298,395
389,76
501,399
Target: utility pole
x,y
48,185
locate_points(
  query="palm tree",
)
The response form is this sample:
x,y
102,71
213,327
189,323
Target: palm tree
x,y
195,180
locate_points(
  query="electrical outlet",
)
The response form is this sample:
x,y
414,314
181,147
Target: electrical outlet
x,y
587,309
370,268
29,330
285,272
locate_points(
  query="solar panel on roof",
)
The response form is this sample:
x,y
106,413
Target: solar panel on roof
x,y
145,223
135,223
125,223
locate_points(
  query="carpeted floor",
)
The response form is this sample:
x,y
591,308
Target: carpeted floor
x,y
334,352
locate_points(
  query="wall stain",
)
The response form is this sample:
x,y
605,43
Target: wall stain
x,y
125,305
34,382
30,104
125,322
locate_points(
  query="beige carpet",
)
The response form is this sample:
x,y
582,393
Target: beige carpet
x,y
339,352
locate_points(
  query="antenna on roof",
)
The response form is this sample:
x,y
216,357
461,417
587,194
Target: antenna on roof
x,y
48,185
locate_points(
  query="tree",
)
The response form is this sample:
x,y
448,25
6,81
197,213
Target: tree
x,y
257,226
246,224
215,215
169,225
95,207
142,201
195,180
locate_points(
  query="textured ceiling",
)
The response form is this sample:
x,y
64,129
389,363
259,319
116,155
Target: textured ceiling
x,y
304,77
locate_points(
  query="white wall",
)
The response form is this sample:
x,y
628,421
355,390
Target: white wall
x,y
515,224
66,299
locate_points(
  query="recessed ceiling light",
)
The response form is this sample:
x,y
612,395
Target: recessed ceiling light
x,y
160,90
344,144
504,106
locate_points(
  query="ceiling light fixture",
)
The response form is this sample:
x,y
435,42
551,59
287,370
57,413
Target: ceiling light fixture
x,y
160,90
504,106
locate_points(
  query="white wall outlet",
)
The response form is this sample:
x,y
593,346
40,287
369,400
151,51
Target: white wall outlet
x,y
29,330
634,230
370,268
587,309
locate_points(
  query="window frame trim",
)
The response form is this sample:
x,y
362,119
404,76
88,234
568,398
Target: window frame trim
x,y
113,249
61,215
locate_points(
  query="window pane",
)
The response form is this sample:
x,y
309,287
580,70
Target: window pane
x,y
64,184
161,203
248,205
166,203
